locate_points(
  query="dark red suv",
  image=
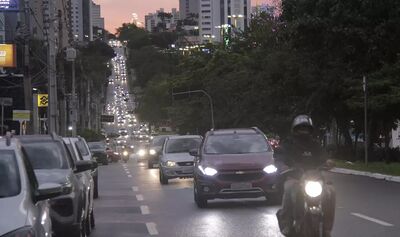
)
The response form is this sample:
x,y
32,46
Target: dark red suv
x,y
235,163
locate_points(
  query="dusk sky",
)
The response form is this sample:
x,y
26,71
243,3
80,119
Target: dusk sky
x,y
117,12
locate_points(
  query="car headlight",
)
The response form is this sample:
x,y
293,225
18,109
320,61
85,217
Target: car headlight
x,y
270,169
141,152
313,188
170,163
132,147
125,153
208,171
152,152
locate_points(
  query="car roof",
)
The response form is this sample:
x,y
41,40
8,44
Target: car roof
x,y
38,138
14,144
235,131
183,136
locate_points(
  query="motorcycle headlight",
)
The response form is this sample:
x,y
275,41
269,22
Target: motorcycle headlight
x,y
313,188
270,169
141,152
125,153
170,163
152,152
208,171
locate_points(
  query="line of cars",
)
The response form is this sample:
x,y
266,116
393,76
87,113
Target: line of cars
x,y
226,163
47,186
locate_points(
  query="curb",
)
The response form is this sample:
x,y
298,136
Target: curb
x,y
366,174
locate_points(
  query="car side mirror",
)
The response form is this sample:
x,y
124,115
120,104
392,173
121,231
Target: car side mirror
x,y
194,152
48,190
83,165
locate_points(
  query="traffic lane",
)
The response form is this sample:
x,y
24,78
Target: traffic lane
x,y
118,212
365,206
176,214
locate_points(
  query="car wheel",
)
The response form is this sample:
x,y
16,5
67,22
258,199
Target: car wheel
x,y
163,179
96,187
200,201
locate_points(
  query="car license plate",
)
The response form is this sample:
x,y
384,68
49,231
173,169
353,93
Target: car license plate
x,y
240,186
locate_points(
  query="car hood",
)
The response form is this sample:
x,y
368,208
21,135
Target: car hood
x,y
178,157
60,176
227,162
12,215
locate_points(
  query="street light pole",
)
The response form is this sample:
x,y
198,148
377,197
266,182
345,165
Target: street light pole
x,y
209,99
71,56
365,88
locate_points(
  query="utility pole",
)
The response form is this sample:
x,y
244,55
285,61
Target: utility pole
x,y
71,56
27,77
49,17
365,88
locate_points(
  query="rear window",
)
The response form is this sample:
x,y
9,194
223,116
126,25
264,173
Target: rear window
x,y
82,148
183,145
236,144
10,183
47,155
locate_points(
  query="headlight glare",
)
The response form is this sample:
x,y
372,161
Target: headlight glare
x,y
270,169
125,153
152,152
208,171
313,188
170,163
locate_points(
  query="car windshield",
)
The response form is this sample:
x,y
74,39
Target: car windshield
x,y
158,141
236,144
82,148
182,145
10,184
47,155
96,146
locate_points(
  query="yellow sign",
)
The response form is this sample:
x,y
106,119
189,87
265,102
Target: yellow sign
x,y
21,115
43,100
7,55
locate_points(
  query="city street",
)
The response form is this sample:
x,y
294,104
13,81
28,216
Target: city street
x,y
132,202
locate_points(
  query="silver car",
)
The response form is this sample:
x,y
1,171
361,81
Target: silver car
x,y
175,160
23,204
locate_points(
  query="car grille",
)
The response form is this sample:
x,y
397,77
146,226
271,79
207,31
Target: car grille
x,y
241,177
189,163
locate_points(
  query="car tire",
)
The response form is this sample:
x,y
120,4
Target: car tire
x,y
163,179
150,165
96,187
200,201
78,230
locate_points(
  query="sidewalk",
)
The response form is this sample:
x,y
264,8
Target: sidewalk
x,y
367,174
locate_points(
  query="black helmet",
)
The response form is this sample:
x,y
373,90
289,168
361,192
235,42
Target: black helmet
x,y
302,121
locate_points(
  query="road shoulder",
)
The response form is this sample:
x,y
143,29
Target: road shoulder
x,y
390,178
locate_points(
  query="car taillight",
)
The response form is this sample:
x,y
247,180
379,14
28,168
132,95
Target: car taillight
x,y
22,232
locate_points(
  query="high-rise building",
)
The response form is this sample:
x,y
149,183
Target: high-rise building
x,y
168,20
87,20
188,8
76,12
215,15
97,20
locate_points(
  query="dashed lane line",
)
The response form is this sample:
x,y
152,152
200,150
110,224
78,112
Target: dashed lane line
x,y
139,197
368,218
129,176
151,227
135,188
145,210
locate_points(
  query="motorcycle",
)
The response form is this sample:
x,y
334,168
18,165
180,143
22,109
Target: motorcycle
x,y
314,204
125,156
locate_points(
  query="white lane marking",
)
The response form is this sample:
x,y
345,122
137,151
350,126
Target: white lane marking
x,y
129,176
145,210
151,227
380,222
135,189
139,197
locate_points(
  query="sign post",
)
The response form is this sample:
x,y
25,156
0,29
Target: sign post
x,y
4,101
22,116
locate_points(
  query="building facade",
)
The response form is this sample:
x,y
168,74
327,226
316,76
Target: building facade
x,y
188,8
169,20
97,20
216,16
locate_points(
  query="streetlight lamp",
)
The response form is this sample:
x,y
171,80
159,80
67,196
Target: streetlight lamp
x,y
209,100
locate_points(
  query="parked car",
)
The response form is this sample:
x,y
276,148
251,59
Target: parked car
x,y
84,150
175,160
235,163
155,149
87,180
52,162
98,150
24,204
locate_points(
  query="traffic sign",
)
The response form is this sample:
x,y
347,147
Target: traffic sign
x,y
21,115
107,118
43,100
6,101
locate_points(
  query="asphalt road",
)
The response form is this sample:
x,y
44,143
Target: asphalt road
x,y
133,203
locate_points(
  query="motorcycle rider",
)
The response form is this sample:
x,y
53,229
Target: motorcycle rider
x,y
300,152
